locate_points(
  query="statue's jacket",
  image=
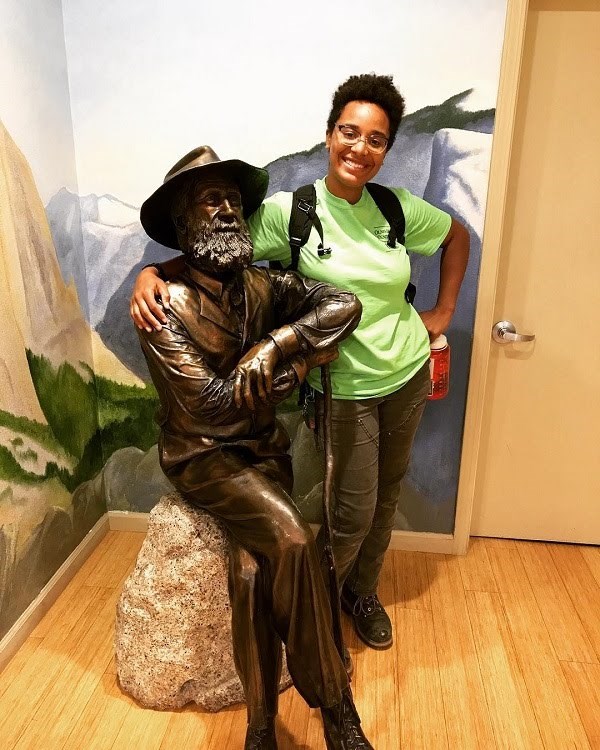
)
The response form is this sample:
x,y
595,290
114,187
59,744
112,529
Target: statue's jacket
x,y
212,322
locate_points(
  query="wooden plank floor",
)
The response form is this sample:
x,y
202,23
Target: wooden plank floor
x,y
499,649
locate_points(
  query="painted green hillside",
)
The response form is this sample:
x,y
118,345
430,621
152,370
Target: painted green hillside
x,y
89,417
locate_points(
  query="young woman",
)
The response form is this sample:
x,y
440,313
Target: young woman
x,y
380,380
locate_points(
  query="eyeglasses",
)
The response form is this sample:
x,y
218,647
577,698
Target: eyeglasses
x,y
350,136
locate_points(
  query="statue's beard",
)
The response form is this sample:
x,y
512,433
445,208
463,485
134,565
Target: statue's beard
x,y
219,247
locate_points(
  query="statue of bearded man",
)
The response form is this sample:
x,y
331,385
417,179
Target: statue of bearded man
x,y
237,341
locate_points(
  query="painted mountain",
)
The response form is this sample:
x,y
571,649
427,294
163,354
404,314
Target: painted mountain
x,y
66,401
407,164
442,152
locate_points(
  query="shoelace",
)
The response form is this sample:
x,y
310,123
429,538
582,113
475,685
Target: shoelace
x,y
367,605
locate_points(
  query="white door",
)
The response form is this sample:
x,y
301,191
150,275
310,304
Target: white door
x,y
538,471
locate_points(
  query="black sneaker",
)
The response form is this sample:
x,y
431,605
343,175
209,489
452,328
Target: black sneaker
x,y
370,619
341,724
261,739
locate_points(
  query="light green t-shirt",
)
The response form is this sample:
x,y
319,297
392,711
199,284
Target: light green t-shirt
x,y
391,342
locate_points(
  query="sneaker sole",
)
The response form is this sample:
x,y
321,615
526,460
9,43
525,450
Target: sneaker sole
x,y
377,645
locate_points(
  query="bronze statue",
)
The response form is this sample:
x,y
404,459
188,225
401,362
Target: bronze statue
x,y
237,342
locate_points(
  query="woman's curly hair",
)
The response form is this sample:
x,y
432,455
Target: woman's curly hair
x,y
372,88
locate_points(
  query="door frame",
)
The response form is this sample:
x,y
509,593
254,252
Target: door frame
x,y
506,109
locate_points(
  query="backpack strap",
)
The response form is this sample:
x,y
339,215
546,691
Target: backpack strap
x,y
391,209
389,204
303,218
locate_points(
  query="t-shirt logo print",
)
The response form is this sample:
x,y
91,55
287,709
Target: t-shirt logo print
x,y
382,232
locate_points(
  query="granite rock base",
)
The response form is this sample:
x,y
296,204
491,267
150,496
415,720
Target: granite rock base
x,y
173,629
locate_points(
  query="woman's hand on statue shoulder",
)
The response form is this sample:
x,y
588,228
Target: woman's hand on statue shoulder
x,y
145,307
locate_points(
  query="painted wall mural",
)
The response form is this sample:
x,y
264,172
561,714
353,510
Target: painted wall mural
x,y
63,409
76,430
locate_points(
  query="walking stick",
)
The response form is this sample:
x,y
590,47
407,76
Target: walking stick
x,y
334,588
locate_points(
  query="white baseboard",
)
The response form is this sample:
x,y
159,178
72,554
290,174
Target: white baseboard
x,y
24,626
423,541
411,541
120,520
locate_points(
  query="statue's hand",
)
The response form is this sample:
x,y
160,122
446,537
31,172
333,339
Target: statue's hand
x,y
321,357
254,373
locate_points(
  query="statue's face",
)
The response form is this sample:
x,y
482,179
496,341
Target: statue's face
x,y
217,200
212,230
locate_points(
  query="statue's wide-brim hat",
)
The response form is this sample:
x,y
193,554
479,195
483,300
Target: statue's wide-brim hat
x,y
155,213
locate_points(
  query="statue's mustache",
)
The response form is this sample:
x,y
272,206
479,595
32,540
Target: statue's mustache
x,y
219,225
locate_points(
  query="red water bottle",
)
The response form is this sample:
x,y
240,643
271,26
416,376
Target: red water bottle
x,y
439,368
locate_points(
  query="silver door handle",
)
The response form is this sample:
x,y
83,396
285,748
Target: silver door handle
x,y
504,332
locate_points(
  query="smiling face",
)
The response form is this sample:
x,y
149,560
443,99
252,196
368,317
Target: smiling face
x,y
351,167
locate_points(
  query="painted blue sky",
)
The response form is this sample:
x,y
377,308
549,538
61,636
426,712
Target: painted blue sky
x,y
34,90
